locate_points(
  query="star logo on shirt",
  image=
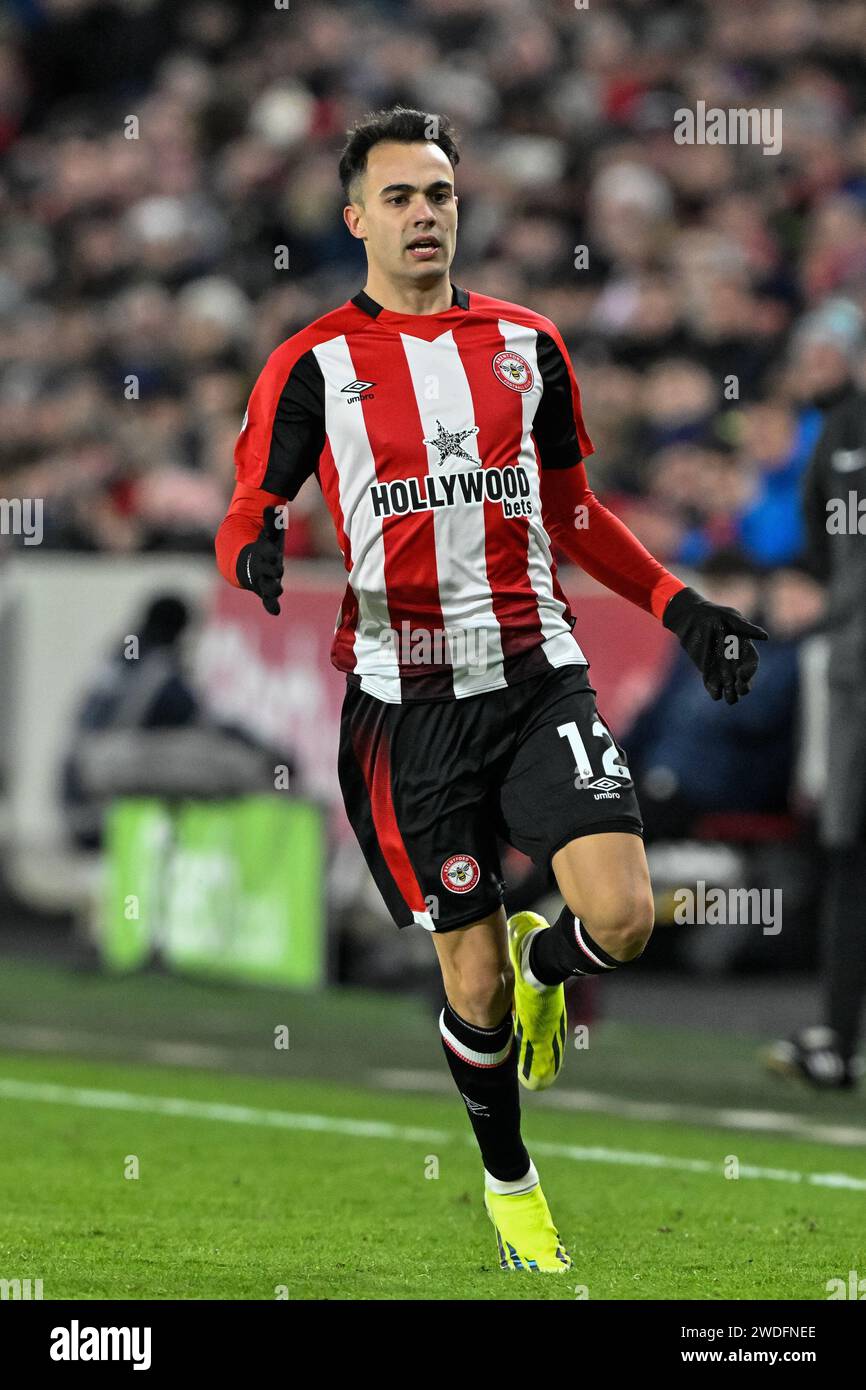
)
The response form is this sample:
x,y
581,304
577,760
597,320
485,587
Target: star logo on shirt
x,y
449,443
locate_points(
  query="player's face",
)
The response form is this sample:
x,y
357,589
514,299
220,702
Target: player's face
x,y
408,218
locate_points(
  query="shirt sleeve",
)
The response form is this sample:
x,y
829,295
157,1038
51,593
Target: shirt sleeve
x,y
601,544
560,435
240,527
283,432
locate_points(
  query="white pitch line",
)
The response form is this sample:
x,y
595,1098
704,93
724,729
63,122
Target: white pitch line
x,y
93,1099
213,1058
662,1112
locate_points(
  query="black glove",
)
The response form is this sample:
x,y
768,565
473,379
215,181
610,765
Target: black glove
x,y
260,564
703,629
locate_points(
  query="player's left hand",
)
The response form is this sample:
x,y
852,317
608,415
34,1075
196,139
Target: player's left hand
x,y
718,640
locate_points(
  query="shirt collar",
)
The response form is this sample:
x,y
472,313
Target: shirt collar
x,y
459,300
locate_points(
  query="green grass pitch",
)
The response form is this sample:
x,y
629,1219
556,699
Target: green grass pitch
x,y
333,1187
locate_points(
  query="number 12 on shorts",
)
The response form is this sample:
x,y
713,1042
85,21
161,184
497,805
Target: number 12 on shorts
x,y
609,759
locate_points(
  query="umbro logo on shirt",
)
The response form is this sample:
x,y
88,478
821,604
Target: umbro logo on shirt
x,y
358,391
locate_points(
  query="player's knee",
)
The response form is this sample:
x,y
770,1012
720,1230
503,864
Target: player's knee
x,y
624,927
484,996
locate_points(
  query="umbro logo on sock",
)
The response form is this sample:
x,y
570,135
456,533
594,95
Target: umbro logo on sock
x,y
475,1107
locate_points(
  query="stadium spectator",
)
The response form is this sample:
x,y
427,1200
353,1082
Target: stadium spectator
x,y
690,756
140,692
171,214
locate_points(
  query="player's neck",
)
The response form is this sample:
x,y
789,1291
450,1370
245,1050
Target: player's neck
x,y
409,299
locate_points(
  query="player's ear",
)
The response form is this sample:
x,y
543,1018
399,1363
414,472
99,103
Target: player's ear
x,y
353,216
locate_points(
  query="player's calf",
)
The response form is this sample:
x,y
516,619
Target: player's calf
x,y
608,918
478,1039
483,1063
567,948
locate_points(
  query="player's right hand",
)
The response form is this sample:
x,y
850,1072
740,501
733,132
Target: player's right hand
x,y
260,565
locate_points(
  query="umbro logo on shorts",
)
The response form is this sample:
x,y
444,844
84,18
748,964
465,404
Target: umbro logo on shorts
x,y
605,788
604,785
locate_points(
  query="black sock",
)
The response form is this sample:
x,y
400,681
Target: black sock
x,y
565,949
844,946
483,1062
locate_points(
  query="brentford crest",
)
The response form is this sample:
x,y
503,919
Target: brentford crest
x,y
460,873
513,370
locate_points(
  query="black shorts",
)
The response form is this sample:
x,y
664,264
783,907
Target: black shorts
x,y
429,788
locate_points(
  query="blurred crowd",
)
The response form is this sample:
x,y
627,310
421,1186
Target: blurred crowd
x,y
157,156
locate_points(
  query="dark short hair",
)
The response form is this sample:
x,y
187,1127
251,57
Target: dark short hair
x,y
399,123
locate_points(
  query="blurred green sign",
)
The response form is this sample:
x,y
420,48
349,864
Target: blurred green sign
x,y
230,889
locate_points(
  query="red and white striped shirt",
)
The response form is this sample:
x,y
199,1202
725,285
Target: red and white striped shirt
x,y
448,448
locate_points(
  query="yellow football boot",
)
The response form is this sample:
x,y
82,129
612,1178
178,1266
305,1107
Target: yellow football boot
x,y
525,1233
539,1016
